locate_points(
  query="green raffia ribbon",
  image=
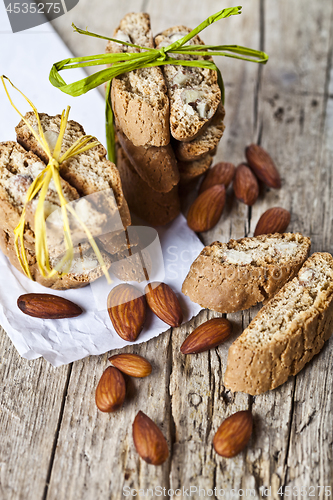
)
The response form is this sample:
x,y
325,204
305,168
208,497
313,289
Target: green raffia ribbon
x,y
40,187
147,57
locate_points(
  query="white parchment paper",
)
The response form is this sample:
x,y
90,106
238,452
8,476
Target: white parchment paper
x,y
64,341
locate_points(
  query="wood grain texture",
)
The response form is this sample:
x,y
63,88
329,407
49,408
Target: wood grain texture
x,y
31,402
52,429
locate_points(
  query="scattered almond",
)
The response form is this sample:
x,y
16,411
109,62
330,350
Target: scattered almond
x,y
274,220
149,441
263,166
208,335
127,310
206,210
245,185
131,364
163,301
47,306
111,390
221,173
233,434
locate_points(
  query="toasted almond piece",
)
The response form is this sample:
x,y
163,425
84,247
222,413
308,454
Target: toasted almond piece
x,y
207,209
245,185
110,391
233,434
149,441
208,335
127,310
221,173
263,166
163,301
47,306
131,364
274,220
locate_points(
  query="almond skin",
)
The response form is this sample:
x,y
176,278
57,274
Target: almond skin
x,y
263,166
163,301
208,335
47,306
221,173
233,434
131,364
245,185
274,220
111,390
149,441
127,310
206,210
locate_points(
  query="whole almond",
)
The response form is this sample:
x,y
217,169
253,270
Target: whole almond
x,y
263,166
131,364
206,210
233,434
149,441
127,310
221,173
245,185
47,306
163,301
110,391
208,335
274,220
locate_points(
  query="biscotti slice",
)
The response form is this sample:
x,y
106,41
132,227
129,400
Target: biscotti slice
x,y
84,269
139,98
230,277
189,170
155,208
193,92
157,166
286,333
18,169
115,242
204,143
89,172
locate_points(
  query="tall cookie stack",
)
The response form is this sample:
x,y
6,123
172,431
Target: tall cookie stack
x,y
168,122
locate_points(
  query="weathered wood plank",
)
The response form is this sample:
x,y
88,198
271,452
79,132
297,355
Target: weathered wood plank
x,y
30,407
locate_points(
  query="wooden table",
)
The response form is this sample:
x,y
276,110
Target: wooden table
x,y
55,444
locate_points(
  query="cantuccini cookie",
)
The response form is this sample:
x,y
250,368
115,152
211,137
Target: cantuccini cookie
x,y
157,166
18,169
229,277
286,333
204,143
189,170
89,172
155,208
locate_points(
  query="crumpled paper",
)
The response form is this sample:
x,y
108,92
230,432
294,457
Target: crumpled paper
x,y
67,340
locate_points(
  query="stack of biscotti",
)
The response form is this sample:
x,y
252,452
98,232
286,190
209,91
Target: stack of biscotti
x,y
89,173
168,122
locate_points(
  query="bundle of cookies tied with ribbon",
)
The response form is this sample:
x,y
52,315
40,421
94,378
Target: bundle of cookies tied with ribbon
x,y
63,212
168,121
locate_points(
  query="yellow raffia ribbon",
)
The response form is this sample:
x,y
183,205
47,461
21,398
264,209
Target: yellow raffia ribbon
x,y
40,185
